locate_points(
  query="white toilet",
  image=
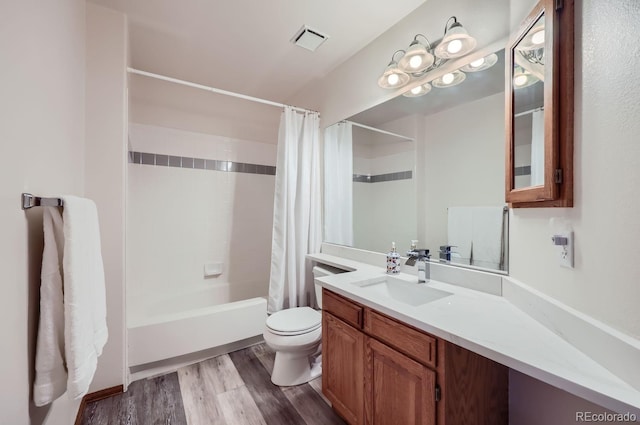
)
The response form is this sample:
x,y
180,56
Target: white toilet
x,y
295,335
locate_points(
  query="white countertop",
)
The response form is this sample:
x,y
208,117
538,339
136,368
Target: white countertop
x,y
492,327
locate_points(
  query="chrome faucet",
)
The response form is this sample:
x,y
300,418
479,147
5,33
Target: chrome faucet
x,y
420,256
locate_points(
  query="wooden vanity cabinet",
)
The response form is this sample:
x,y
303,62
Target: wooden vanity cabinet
x,y
343,368
377,370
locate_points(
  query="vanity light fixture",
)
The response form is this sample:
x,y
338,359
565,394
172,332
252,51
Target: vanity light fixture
x,y
534,38
417,57
420,90
522,78
481,64
393,76
421,57
456,41
449,79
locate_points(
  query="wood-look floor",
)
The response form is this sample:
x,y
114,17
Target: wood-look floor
x,y
233,389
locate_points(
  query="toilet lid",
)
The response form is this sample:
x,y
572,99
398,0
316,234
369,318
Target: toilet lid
x,y
294,321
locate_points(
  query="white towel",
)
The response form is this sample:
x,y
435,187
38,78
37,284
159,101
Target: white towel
x,y
72,329
459,233
51,374
85,330
487,236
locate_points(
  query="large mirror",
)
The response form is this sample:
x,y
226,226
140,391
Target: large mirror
x,y
431,171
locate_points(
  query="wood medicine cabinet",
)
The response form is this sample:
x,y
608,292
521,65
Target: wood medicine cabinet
x,y
539,108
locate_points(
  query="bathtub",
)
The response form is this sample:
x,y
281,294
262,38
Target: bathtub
x,y
166,326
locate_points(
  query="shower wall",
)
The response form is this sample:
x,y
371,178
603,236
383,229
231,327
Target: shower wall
x,y
194,200
384,206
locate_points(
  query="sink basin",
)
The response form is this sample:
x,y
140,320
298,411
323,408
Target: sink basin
x,y
405,292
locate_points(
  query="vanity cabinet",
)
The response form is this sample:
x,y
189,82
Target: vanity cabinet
x,y
377,370
343,368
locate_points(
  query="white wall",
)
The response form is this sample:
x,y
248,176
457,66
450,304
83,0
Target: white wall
x,y
178,219
384,212
42,81
604,283
461,156
106,129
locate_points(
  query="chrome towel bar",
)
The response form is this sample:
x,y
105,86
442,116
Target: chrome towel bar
x,y
30,201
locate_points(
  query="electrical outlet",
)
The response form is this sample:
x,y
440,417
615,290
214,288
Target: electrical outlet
x,y
564,249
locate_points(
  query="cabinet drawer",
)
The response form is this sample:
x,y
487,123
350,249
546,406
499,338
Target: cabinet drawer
x,y
413,343
342,308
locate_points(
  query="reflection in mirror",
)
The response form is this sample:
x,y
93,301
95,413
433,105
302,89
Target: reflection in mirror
x,y
384,194
453,196
528,98
369,187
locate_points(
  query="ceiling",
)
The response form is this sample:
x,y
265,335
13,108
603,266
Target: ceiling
x,y
244,45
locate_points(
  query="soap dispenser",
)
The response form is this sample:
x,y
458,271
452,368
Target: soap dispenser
x,y
393,260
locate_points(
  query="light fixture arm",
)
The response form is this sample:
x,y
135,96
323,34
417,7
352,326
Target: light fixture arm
x,y
393,57
415,41
455,23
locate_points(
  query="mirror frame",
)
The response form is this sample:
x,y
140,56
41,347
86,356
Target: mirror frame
x,y
557,190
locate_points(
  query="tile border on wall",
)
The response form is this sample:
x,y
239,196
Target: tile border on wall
x,y
366,178
161,160
525,170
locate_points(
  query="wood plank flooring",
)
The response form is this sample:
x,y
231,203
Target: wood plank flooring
x,y
233,389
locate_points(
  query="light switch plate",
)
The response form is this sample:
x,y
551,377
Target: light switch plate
x,y
565,252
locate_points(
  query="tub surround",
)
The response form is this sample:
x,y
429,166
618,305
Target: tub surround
x,y
195,330
503,320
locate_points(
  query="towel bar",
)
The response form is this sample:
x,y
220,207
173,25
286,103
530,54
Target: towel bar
x,y
30,201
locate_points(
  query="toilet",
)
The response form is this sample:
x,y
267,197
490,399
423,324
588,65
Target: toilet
x,y
295,335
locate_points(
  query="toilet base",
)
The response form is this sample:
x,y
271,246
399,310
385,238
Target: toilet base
x,y
295,368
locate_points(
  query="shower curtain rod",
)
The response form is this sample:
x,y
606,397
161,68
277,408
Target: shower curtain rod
x,y
212,89
380,131
529,111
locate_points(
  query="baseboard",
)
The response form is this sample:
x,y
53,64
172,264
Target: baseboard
x,y
98,395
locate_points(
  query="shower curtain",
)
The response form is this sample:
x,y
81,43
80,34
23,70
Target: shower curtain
x,y
338,187
297,228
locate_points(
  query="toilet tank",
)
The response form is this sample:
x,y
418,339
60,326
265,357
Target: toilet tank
x,y
320,271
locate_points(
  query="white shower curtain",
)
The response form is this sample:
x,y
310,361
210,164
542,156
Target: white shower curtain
x,y
297,226
537,148
338,184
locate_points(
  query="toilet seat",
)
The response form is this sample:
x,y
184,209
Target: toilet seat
x,y
294,321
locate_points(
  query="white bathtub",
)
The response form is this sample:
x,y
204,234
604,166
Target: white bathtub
x,y
168,326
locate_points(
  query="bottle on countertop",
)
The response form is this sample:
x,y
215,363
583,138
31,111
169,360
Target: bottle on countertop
x,y
393,260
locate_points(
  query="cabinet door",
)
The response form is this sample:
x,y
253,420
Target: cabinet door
x,y
343,368
398,390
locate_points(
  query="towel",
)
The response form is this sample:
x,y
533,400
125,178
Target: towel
x,y
85,313
459,233
72,329
51,374
487,236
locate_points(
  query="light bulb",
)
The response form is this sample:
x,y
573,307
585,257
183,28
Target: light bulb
x,y
415,61
477,63
448,78
520,80
416,90
393,79
538,38
454,46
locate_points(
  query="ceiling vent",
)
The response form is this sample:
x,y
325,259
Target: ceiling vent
x,y
309,38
